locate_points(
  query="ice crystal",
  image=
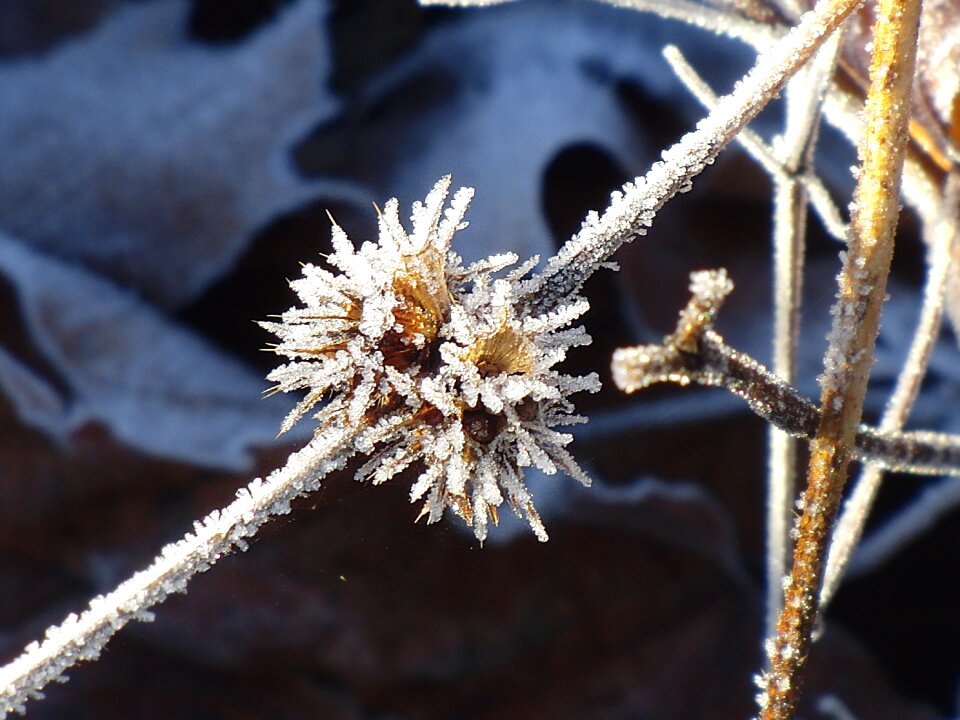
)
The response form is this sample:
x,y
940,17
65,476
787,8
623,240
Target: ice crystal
x,y
445,358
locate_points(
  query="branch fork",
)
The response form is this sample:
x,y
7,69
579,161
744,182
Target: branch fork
x,y
695,354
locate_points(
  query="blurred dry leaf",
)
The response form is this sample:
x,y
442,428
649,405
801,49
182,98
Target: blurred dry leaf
x,y
152,159
115,360
494,97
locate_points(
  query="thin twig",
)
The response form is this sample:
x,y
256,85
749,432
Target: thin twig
x,y
804,100
789,232
863,282
696,354
633,209
842,109
942,239
82,637
817,193
721,21
465,3
791,171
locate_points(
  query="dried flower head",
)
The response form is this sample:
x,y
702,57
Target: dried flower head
x,y
433,364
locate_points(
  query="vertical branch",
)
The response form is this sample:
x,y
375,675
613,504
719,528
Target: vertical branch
x,y
856,318
804,100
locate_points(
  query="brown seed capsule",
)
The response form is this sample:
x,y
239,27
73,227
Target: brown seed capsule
x,y
482,427
528,410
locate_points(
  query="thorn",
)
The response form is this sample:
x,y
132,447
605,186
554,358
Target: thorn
x,y
423,511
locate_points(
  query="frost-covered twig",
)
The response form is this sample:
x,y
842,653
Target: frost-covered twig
x,y
790,170
632,210
714,19
696,354
941,241
856,314
842,108
721,21
804,102
81,637
427,363
465,3
817,193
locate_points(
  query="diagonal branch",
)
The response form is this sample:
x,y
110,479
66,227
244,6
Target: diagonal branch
x,y
81,638
941,241
633,209
816,192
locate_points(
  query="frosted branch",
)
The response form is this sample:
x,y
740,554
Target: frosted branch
x,y
720,21
842,107
792,175
942,238
633,209
849,357
761,153
804,102
464,3
696,354
424,362
82,637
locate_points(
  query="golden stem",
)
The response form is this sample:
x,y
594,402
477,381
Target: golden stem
x,y
863,282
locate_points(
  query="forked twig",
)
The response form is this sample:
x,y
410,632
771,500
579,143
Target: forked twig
x,y
817,194
632,211
804,102
790,167
695,354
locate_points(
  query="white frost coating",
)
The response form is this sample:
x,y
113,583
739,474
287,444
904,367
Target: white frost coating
x,y
464,3
82,637
705,17
718,20
632,209
447,353
817,194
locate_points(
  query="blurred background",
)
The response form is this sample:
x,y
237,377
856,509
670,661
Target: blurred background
x,y
165,166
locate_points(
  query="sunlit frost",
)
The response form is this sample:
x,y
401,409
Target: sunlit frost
x,y
446,369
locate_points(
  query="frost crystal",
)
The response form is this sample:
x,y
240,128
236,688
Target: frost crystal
x,y
447,365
